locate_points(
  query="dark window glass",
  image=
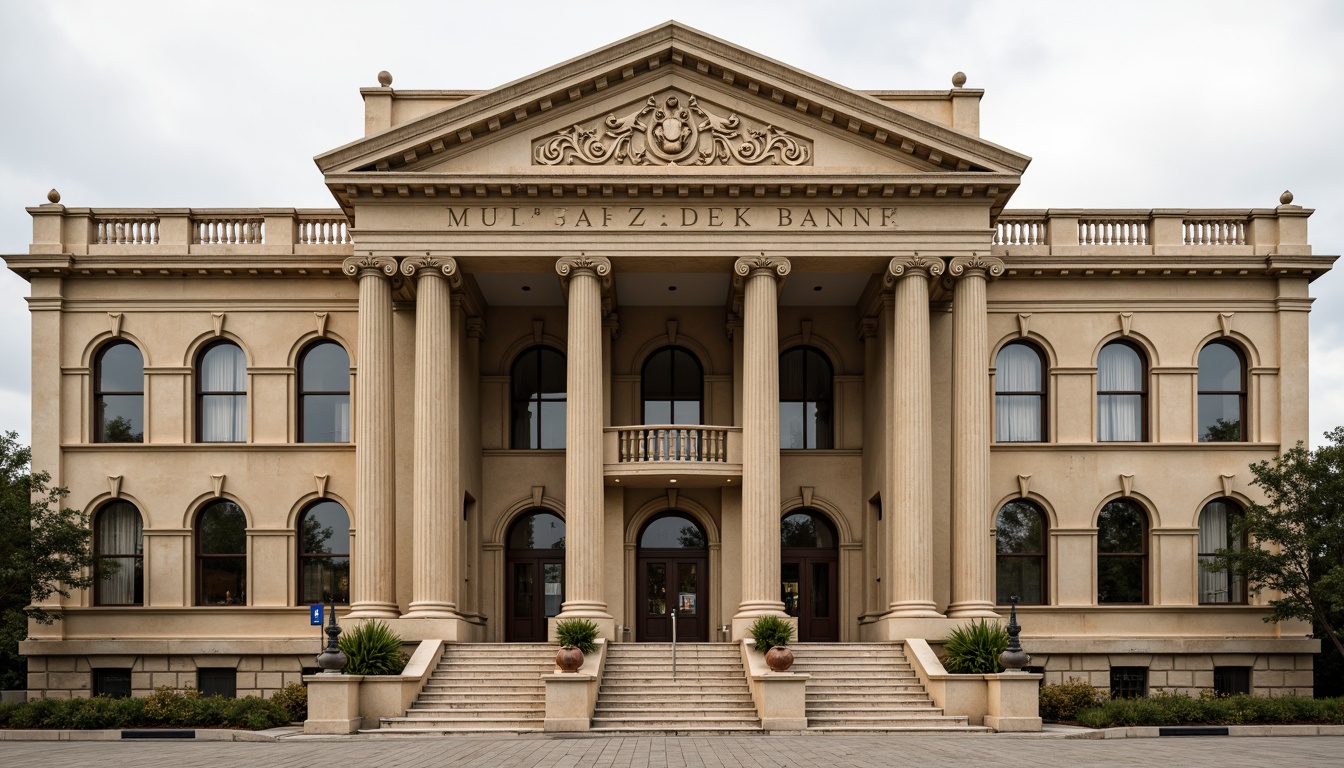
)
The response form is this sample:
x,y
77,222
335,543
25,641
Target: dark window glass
x,y
539,530
672,387
805,381
324,553
221,394
114,683
1122,394
217,681
806,529
324,394
221,555
119,394
1222,394
119,546
1217,531
538,383
1129,682
673,532
1122,553
1020,565
1231,681
1019,394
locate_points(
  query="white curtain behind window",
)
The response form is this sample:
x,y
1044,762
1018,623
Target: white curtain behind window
x,y
1017,418
1119,417
119,533
224,417
1214,528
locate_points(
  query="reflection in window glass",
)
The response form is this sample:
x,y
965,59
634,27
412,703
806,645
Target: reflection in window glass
x,y
540,530
672,387
1222,394
554,584
806,529
522,590
1122,553
1020,553
656,597
324,554
119,397
790,587
221,555
538,383
672,532
686,589
324,394
805,378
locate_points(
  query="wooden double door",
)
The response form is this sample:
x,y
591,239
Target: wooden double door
x,y
809,569
672,574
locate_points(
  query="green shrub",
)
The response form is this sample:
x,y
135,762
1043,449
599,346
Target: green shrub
x,y
1180,709
372,649
577,633
164,707
294,698
1065,701
770,631
974,649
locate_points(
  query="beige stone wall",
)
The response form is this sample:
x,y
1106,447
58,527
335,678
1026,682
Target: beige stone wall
x,y
71,677
1190,674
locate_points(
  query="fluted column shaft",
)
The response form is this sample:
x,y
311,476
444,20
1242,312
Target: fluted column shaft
x,y
584,596
760,436
972,555
434,582
910,564
373,572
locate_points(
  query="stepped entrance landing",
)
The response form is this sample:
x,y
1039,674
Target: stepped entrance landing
x,y
708,695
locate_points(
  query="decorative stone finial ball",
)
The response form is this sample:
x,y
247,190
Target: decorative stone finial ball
x,y
1285,199
53,196
959,79
385,79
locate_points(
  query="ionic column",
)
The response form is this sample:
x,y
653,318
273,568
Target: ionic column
x,y
910,561
584,277
434,580
373,589
760,438
972,554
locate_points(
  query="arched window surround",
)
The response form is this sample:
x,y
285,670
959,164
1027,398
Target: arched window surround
x,y
118,536
119,393
1223,586
1122,395
807,399
1124,528
1021,396
319,581
1218,399
538,414
323,396
221,561
1022,557
220,378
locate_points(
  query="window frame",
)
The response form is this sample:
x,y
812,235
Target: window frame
x,y
1235,579
1142,392
1242,399
1144,555
200,394
99,423
1043,556
535,396
672,372
1041,394
201,557
302,555
137,560
809,427
303,392
1122,690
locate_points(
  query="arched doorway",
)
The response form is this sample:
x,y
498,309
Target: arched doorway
x,y
534,574
808,574
672,573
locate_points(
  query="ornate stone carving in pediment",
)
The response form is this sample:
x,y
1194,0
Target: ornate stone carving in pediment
x,y
673,128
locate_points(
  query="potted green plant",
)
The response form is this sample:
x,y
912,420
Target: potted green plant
x,y
773,635
372,649
975,648
577,637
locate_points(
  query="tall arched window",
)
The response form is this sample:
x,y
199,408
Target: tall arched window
x,y
1217,530
538,383
1122,393
1122,553
221,394
1020,560
324,553
672,387
119,394
324,394
119,542
221,554
805,379
1019,394
1222,393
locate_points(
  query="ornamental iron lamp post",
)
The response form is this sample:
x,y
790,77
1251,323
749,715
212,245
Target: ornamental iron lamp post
x,y
1014,659
331,660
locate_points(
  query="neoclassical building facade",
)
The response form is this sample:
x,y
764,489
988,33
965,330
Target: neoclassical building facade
x,y
667,328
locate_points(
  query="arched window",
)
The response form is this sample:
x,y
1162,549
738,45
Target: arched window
x,y
221,554
538,380
324,394
1122,553
1217,530
1222,393
805,378
1122,394
221,394
119,543
1020,560
119,394
672,387
1019,394
324,553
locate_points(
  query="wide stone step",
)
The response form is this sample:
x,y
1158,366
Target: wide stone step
x,y
884,722
676,723
886,710
415,733
614,709
468,722
843,700
641,697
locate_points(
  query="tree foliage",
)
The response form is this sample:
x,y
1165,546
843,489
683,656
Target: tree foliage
x,y
44,551
1297,536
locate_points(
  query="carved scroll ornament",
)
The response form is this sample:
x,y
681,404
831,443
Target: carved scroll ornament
x,y
666,131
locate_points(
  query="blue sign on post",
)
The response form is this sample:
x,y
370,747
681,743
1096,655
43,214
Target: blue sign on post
x,y
315,615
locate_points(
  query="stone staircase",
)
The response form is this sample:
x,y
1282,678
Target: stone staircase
x,y
480,688
709,694
868,687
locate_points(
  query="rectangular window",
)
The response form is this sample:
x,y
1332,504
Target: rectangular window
x,y
1129,682
112,682
217,681
1231,681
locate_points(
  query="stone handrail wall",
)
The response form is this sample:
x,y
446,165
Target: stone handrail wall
x,y
318,229
228,230
79,231
126,230
671,442
1061,231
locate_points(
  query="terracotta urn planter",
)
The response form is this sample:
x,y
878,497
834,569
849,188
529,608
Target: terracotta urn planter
x,y
569,658
779,658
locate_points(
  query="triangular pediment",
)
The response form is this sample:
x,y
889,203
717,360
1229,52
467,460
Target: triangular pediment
x,y
671,100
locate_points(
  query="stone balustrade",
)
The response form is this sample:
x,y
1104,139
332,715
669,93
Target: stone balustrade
x,y
1161,232
177,231
671,442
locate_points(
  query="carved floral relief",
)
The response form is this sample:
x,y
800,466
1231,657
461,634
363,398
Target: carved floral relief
x,y
673,129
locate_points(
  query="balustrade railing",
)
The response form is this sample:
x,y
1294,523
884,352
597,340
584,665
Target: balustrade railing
x,y
672,443
1014,231
323,231
228,231
1113,232
1213,232
126,230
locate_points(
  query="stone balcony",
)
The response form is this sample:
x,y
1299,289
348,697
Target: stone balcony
x,y
663,455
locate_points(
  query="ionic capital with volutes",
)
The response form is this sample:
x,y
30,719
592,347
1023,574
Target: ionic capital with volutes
x,y
988,267
569,266
777,267
911,266
381,266
433,265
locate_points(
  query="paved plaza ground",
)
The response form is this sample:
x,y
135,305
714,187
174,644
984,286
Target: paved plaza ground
x,y
810,751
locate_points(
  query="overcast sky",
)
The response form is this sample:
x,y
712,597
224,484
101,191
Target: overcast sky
x,y
1134,105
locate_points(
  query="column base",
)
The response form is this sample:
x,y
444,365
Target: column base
x,y
897,629
431,609
751,610
913,609
592,610
972,609
373,609
454,629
